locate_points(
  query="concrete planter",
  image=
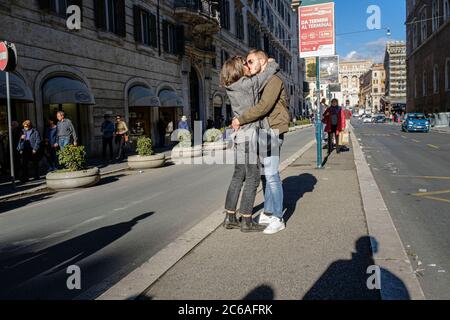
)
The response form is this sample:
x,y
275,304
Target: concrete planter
x,y
303,126
187,152
219,145
72,180
146,162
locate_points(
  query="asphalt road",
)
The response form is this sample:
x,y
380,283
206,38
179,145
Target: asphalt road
x,y
412,171
107,230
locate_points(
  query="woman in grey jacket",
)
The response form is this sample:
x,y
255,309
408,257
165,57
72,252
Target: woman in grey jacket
x,y
244,93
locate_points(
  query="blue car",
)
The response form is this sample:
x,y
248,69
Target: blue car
x,y
416,122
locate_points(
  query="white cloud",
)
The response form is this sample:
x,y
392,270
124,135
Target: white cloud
x,y
372,50
351,55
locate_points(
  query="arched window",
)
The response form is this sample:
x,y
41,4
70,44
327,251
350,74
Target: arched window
x,y
424,84
447,75
435,15
345,81
436,79
446,10
424,31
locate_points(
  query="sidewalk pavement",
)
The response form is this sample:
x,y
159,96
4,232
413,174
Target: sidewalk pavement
x,y
106,168
441,129
324,252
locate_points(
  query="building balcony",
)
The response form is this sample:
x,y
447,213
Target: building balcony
x,y
202,19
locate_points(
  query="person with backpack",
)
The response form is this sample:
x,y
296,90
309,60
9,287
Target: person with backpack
x,y
334,118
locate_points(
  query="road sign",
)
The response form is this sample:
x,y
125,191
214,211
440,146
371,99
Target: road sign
x,y
3,56
8,62
8,56
317,36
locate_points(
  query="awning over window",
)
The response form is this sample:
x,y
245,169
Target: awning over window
x,y
61,90
140,96
169,98
18,89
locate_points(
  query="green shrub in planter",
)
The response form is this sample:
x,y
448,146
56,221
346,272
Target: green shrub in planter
x,y
73,158
212,135
302,122
144,146
184,138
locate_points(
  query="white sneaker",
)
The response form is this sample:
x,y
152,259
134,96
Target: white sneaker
x,y
275,226
265,219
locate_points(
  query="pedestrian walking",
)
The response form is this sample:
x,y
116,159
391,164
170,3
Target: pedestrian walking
x,y
334,118
51,145
66,131
107,130
183,124
29,149
121,137
243,91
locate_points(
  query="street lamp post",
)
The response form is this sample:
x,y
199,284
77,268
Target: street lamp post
x,y
319,127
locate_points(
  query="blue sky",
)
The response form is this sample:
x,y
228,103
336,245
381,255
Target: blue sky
x,y
351,16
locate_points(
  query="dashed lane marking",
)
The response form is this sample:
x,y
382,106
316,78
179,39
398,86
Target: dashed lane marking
x,y
433,146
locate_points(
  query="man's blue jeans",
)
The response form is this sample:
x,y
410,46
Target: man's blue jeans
x,y
273,188
63,142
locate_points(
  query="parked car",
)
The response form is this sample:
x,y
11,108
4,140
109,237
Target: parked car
x,y
416,122
367,119
380,118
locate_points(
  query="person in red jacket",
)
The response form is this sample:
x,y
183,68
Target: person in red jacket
x,y
334,118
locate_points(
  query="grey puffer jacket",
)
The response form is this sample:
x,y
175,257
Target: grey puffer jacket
x,y
244,94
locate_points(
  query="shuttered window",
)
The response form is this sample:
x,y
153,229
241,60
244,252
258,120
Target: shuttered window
x,y
59,7
173,38
225,14
145,28
110,16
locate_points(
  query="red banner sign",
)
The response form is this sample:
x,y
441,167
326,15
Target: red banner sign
x,y
317,36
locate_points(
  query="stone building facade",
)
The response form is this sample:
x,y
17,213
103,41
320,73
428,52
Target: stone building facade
x,y
373,84
428,58
147,60
350,73
395,66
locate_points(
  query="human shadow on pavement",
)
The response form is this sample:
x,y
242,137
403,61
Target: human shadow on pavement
x,y
13,204
15,269
110,179
294,188
348,279
263,292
